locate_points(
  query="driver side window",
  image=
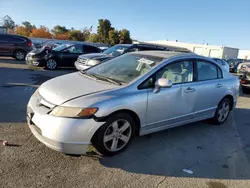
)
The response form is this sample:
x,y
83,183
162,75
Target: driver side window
x,y
178,72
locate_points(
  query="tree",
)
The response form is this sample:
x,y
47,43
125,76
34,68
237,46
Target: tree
x,y
113,37
76,35
8,23
21,30
28,26
124,36
42,32
103,30
59,30
64,36
93,37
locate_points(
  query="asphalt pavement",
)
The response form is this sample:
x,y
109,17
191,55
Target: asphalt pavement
x,y
218,156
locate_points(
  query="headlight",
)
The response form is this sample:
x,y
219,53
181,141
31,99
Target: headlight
x,y
93,62
61,111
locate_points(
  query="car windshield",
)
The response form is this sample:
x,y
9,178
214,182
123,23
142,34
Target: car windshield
x,y
125,68
61,47
116,50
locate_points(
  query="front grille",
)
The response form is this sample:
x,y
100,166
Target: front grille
x,y
82,61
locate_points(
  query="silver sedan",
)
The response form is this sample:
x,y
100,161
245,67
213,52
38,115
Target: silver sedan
x,y
132,95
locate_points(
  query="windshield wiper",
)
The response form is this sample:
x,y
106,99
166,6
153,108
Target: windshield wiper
x,y
103,78
107,79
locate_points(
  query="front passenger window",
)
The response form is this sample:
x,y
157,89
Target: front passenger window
x,y
179,72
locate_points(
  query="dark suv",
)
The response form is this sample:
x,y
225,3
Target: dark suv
x,y
15,46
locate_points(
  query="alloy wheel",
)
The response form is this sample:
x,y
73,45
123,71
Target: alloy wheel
x,y
223,111
117,135
51,64
20,55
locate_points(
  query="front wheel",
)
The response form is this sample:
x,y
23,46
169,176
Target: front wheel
x,y
115,135
51,64
222,111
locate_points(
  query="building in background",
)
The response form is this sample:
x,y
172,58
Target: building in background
x,y
3,29
244,54
222,52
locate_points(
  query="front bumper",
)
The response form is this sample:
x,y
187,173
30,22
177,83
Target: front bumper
x,y
67,135
80,66
35,61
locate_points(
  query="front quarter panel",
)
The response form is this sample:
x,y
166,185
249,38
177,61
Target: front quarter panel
x,y
115,100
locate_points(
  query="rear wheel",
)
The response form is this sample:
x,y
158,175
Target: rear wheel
x,y
19,55
51,64
115,135
222,111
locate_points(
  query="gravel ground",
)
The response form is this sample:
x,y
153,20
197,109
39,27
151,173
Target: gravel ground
x,y
217,155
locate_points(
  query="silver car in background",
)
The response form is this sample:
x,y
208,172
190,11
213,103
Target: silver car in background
x,y
132,95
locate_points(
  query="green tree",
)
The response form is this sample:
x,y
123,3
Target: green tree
x,y
93,37
59,30
76,35
113,37
28,26
124,36
103,30
8,22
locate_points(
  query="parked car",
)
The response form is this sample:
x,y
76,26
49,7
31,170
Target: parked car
x,y
245,81
223,63
63,55
135,94
15,46
86,61
233,65
243,67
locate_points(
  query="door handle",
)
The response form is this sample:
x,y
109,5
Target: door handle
x,y
189,90
219,85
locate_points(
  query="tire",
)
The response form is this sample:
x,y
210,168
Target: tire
x,y
245,90
19,55
51,64
222,112
117,135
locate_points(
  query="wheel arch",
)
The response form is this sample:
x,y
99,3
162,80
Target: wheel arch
x,y
133,114
230,97
18,49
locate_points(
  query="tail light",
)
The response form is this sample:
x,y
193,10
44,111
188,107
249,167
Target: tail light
x,y
29,43
243,81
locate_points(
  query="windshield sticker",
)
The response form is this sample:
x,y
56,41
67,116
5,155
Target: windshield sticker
x,y
146,61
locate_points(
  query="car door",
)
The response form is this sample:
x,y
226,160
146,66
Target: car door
x,y
6,45
209,89
172,106
70,55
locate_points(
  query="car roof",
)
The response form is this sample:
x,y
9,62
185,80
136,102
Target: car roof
x,y
12,35
162,54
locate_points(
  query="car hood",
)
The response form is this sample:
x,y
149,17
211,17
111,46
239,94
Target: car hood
x,y
64,88
96,56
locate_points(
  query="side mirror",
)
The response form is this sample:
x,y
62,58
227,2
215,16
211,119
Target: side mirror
x,y
162,83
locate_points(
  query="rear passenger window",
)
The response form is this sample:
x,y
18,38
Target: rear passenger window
x,y
207,71
179,72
